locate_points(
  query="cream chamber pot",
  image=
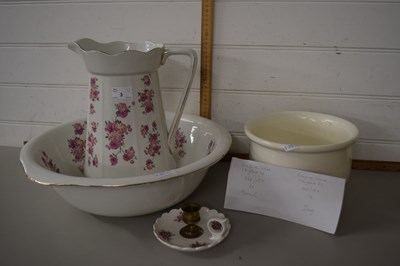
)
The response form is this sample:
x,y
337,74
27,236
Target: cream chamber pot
x,y
306,141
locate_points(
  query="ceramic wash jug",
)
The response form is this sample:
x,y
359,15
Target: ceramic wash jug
x,y
126,129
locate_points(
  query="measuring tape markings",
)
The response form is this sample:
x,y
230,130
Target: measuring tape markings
x,y
207,26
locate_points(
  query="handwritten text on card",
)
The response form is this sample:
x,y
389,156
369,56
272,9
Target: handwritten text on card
x,y
303,197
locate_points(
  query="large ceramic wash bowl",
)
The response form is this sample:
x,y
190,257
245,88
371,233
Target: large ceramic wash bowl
x,y
55,158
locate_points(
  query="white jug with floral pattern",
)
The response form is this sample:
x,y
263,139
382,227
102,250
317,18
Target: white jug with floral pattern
x,y
126,129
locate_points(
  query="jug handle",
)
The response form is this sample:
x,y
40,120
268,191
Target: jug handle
x,y
192,70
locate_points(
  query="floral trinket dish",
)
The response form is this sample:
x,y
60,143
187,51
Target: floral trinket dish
x,y
167,230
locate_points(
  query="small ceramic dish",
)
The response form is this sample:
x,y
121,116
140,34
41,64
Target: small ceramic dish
x,y
214,224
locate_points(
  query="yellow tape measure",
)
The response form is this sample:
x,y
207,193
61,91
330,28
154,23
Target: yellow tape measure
x,y
207,29
376,165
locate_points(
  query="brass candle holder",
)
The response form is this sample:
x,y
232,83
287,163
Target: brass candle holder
x,y
191,216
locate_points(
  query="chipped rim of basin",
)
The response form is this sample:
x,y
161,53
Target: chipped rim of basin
x,y
44,176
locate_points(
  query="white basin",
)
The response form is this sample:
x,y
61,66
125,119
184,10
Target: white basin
x,y
53,159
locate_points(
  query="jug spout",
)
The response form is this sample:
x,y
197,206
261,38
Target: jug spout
x,y
73,46
87,45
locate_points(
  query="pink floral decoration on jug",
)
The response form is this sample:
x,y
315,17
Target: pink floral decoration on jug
x,y
91,138
146,96
153,148
116,131
93,94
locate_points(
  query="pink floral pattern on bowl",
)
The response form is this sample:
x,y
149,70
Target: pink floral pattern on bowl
x,y
180,140
167,227
49,164
77,144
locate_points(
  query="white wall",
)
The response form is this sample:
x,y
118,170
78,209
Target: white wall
x,y
338,57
